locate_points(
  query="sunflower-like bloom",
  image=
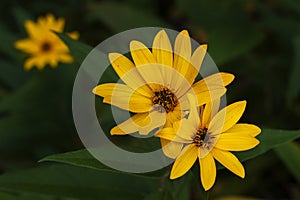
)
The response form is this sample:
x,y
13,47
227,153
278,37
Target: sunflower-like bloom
x,y
155,85
43,46
209,135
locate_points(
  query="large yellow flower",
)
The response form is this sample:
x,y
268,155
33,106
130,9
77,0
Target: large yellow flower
x,y
156,84
210,135
43,46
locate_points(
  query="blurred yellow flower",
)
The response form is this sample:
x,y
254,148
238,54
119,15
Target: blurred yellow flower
x,y
210,135
43,46
156,84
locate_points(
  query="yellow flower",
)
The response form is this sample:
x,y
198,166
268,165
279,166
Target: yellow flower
x,y
43,46
156,84
211,135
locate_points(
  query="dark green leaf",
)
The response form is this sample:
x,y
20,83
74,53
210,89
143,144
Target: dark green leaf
x,y
83,158
78,49
289,153
61,181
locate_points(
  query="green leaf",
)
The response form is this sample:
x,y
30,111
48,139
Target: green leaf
x,y
269,139
83,158
60,181
78,49
120,17
289,154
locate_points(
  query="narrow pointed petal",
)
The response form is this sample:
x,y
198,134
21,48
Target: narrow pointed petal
x,y
194,113
184,161
221,79
33,30
109,89
229,161
236,142
128,73
244,129
157,119
135,103
206,94
141,54
210,110
182,52
208,171
123,97
162,49
27,45
171,149
196,62
131,125
182,56
227,117
185,130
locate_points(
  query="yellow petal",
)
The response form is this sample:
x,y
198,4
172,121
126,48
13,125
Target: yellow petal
x,y
229,161
162,49
133,103
227,117
123,97
208,171
244,129
65,58
206,94
33,30
178,134
141,55
128,73
131,125
236,142
196,62
222,79
157,119
171,149
109,89
185,130
210,110
29,63
184,161
167,133
182,52
28,46
74,35
194,113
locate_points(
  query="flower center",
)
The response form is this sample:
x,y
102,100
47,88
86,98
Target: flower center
x,y
165,99
200,136
46,47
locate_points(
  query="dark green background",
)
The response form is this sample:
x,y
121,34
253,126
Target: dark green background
x,y
257,41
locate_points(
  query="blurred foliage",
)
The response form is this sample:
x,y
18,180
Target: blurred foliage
x,y
258,41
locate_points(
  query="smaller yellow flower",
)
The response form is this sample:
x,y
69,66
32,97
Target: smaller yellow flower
x,y
43,46
210,135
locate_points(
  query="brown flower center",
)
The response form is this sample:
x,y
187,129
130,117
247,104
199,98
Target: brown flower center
x,y
46,47
165,99
200,136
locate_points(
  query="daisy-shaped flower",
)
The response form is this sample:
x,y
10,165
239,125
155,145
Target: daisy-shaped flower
x,y
155,84
43,46
210,135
